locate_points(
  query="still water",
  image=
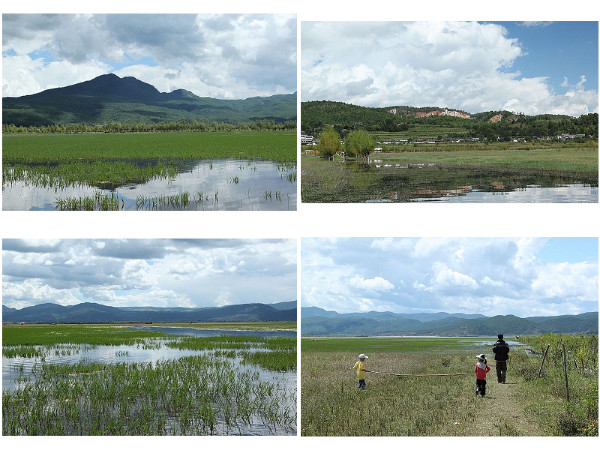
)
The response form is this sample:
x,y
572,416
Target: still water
x,y
213,185
388,182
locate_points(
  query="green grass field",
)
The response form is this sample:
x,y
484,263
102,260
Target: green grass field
x,y
445,405
563,159
61,148
49,335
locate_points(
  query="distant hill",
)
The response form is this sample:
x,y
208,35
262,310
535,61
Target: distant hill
x,y
319,322
96,313
109,98
438,122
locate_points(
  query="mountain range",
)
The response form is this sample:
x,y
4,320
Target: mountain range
x,y
96,313
319,322
109,98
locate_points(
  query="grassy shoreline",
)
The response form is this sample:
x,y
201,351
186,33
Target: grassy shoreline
x,y
405,176
115,333
579,160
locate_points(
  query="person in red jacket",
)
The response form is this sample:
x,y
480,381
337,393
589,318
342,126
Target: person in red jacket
x,y
481,369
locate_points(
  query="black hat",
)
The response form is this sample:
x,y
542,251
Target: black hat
x,y
500,336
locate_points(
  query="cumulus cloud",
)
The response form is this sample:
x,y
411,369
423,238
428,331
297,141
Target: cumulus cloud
x,y
225,56
472,275
136,272
463,65
373,284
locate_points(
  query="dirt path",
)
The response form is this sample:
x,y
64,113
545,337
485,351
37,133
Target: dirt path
x,y
504,413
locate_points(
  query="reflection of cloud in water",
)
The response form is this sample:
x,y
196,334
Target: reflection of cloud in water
x,y
572,193
224,184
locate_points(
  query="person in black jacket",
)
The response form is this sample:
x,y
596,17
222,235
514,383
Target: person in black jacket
x,y
501,356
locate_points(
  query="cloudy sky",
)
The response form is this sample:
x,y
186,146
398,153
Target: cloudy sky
x,y
491,276
135,272
221,56
528,67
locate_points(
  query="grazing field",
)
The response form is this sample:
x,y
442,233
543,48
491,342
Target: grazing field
x,y
392,405
84,171
122,380
424,171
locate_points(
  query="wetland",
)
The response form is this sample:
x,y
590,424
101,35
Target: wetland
x,y
472,175
134,380
253,170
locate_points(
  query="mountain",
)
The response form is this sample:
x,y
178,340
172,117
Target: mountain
x,y
284,305
582,323
7,310
109,98
319,322
96,313
440,123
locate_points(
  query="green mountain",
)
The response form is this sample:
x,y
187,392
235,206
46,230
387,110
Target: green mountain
x,y
319,322
436,122
96,313
109,98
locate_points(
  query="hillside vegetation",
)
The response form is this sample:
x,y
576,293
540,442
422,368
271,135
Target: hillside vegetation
x,y
110,99
317,323
405,123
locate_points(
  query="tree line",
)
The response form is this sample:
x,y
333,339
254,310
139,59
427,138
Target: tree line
x,y
344,118
118,127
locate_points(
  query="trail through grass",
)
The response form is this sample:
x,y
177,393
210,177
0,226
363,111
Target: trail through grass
x,y
527,405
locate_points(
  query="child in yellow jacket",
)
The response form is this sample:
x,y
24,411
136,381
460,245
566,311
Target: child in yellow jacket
x,y
359,366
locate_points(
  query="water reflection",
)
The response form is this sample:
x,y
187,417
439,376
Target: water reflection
x,y
230,185
387,181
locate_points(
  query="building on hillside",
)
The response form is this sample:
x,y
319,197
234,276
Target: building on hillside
x,y
305,139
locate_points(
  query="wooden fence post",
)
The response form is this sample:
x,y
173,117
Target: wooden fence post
x,y
565,369
543,359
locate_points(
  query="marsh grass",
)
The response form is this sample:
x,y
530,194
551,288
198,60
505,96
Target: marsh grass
x,y
100,174
50,335
190,396
438,174
209,393
442,406
277,361
97,202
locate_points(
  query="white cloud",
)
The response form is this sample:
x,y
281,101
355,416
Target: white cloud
x,y
22,75
446,278
463,65
567,281
473,275
374,284
149,272
225,56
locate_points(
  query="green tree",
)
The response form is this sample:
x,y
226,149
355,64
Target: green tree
x,y
329,143
359,143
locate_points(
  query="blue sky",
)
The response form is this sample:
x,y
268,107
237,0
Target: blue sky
x,y
141,272
223,56
490,276
557,50
523,67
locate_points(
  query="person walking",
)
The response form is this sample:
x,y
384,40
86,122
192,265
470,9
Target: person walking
x,y
481,370
501,350
359,366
